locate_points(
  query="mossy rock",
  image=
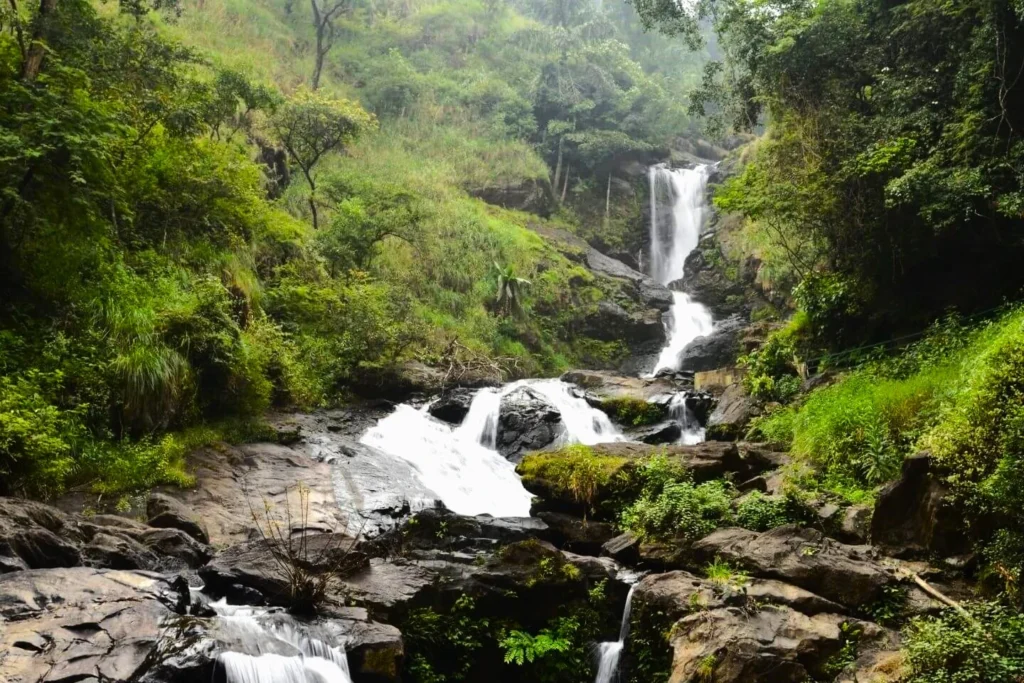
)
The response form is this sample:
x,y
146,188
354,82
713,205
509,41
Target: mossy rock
x,y
634,412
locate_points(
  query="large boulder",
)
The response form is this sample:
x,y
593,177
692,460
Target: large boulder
x,y
726,291
732,416
913,515
772,645
166,512
453,406
611,322
575,534
601,387
533,195
846,574
719,349
527,422
83,624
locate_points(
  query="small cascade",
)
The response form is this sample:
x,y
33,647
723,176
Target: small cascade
x,y
470,478
481,422
678,206
462,466
610,653
313,661
693,432
583,423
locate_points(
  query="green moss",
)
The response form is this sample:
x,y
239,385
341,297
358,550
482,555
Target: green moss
x,y
634,412
576,472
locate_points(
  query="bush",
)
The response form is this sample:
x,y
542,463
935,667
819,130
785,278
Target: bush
x,y
986,647
672,506
772,370
759,512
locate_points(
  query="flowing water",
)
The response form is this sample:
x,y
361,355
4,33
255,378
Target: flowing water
x,y
307,659
678,206
693,432
609,653
462,466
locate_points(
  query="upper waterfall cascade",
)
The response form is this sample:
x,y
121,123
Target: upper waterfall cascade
x,y
678,207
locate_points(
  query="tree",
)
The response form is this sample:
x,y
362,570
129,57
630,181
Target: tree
x,y
311,125
324,14
510,290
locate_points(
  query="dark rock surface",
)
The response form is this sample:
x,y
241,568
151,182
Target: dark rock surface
x,y
166,512
848,575
577,535
661,433
719,349
83,624
527,422
732,415
913,517
531,196
453,406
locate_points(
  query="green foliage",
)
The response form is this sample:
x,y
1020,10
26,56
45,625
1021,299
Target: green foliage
x,y
521,648
985,646
575,470
634,412
672,506
772,369
442,647
759,512
722,574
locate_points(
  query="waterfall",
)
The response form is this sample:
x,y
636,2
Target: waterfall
x,y
470,478
610,653
313,661
462,466
693,433
677,213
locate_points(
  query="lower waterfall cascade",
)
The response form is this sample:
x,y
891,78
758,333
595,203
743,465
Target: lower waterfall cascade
x,y
610,653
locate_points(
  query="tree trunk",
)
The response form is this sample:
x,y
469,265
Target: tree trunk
x,y
565,187
33,63
558,166
312,210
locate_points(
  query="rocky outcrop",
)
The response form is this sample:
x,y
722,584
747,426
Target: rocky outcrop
x,y
453,406
726,289
774,644
527,422
719,349
848,575
575,534
83,624
529,195
604,386
913,515
732,415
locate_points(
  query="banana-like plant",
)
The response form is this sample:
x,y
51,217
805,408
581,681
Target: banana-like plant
x,y
510,290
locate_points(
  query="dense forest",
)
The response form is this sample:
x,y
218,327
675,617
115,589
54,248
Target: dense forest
x,y
216,212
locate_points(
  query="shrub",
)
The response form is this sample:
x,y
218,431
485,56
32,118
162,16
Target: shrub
x,y
984,646
772,370
671,505
759,512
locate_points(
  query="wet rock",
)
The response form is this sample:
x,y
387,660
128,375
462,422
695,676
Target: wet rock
x,y
575,534
441,529
452,407
169,513
732,415
719,349
601,386
624,548
83,624
913,516
118,552
611,322
527,423
177,544
661,433
774,645
264,565
848,575
725,293
33,535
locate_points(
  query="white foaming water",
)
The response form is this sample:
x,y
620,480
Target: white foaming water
x,y
610,653
675,233
470,478
315,661
481,422
462,466
693,433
